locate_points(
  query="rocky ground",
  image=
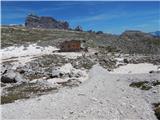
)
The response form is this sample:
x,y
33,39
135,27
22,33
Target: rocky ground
x,y
103,96
37,81
96,84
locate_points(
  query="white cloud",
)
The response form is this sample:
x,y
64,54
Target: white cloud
x,y
98,17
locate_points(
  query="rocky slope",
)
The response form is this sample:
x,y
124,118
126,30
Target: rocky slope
x,y
139,42
33,21
93,82
131,42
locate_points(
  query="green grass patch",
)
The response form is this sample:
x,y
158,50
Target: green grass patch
x,y
142,85
145,85
24,91
157,110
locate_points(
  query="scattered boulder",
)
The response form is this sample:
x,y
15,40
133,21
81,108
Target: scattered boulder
x,y
91,31
6,79
71,83
125,61
21,71
99,32
2,84
78,28
19,78
5,68
79,74
96,53
56,73
12,77
152,71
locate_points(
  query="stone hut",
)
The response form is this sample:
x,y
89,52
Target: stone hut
x,y
70,46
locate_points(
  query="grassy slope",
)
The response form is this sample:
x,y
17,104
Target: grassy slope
x,y
13,35
21,35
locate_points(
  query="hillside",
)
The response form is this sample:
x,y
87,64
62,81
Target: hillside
x,y
79,84
127,42
92,60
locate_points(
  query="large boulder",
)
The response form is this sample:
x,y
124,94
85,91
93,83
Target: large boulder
x,y
56,73
6,79
12,77
78,28
34,21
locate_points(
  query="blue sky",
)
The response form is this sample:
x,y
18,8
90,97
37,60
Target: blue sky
x,y
111,17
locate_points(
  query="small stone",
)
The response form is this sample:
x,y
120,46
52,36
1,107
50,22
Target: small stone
x,y
118,79
71,112
94,99
154,91
81,94
151,71
101,102
125,61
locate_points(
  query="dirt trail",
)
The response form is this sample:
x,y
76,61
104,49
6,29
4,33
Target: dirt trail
x,y
104,96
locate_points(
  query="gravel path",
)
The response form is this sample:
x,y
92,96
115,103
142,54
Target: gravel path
x,y
104,96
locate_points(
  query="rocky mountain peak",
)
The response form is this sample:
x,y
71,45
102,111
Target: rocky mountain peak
x,y
135,35
34,21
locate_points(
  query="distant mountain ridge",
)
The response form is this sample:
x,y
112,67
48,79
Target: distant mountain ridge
x,y
156,33
135,34
140,42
